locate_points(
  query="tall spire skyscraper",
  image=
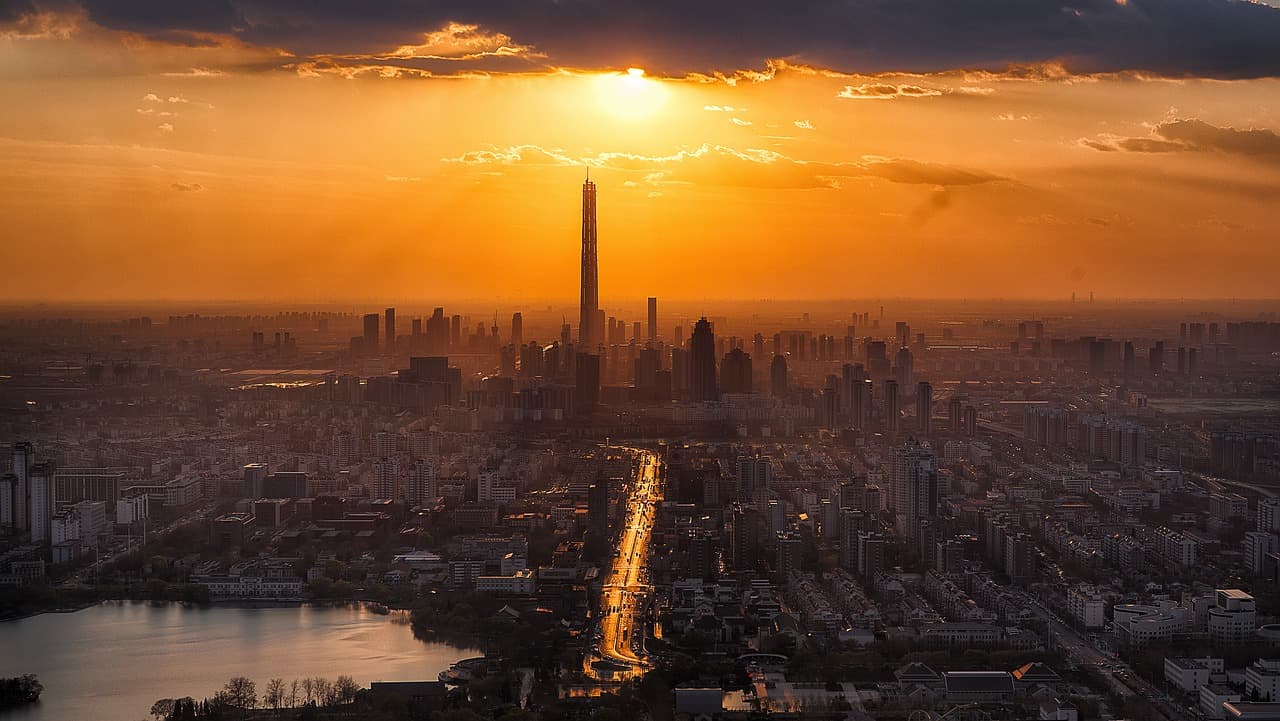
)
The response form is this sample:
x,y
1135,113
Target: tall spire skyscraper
x,y
589,304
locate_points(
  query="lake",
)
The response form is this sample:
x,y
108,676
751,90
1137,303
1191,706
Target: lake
x,y
110,662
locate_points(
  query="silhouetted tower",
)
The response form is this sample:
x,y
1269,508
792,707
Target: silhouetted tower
x,y
390,325
702,363
653,319
778,375
589,303
517,330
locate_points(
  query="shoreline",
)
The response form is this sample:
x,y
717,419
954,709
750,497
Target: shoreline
x,y
228,603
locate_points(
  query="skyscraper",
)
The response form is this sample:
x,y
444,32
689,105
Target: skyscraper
x,y
735,372
24,457
924,406
589,303
702,363
390,326
517,330
653,319
370,345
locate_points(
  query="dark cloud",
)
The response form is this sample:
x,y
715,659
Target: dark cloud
x,y
1196,135
1215,38
11,11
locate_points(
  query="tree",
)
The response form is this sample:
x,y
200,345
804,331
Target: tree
x,y
293,694
241,692
274,695
163,708
346,688
308,691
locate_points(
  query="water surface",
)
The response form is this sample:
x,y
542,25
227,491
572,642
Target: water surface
x,y
110,662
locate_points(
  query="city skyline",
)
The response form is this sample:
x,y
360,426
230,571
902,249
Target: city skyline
x,y
202,170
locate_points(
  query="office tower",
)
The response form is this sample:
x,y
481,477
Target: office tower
x,y
370,345
653,319
589,335
517,330
390,325
735,372
778,376
455,332
924,406
891,409
702,362
24,457
587,381
40,482
1155,358
955,414
422,483
255,478
1130,363
679,337
970,421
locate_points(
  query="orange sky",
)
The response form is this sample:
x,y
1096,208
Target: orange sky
x,y
137,169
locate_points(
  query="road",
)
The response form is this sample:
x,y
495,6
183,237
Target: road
x,y
620,633
1121,679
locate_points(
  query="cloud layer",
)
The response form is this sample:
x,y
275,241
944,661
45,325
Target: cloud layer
x,y
1212,38
1196,135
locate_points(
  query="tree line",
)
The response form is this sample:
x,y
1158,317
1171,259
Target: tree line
x,y
239,696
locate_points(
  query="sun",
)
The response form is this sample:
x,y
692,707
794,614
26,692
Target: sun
x,y
630,95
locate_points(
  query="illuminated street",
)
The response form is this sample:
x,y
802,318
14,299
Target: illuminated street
x,y
619,641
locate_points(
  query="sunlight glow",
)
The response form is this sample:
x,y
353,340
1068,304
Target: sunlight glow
x,y
630,95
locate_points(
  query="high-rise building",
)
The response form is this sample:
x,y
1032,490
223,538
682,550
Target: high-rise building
x,y
913,479
8,502
924,406
384,481
653,319
517,330
24,457
40,482
598,507
589,333
422,482
255,477
753,477
778,375
891,406
735,372
702,363
370,333
587,382
390,325
790,547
